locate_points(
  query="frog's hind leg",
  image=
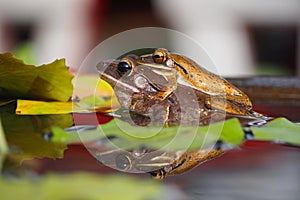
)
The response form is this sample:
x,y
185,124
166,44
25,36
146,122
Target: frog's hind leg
x,y
228,106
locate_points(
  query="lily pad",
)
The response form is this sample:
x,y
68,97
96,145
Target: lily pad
x,y
172,138
176,137
45,82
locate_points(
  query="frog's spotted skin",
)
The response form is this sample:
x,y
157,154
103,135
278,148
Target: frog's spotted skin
x,y
200,79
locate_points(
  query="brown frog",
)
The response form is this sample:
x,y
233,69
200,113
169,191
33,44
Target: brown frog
x,y
141,85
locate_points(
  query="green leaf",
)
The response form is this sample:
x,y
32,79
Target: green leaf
x,y
280,129
176,137
81,186
46,82
171,138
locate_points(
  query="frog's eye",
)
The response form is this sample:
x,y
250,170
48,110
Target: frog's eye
x,y
123,162
158,58
160,55
124,66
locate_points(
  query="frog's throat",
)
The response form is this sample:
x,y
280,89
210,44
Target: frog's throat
x,y
113,82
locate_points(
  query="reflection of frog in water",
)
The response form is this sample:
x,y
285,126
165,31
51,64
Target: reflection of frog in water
x,y
157,92
158,163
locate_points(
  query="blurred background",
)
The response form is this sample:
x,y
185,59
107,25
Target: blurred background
x,y
242,37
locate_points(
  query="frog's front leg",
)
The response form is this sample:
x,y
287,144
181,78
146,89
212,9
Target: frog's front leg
x,y
166,89
156,90
163,79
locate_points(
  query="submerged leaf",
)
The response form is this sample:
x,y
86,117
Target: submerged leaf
x,y
46,82
280,130
81,186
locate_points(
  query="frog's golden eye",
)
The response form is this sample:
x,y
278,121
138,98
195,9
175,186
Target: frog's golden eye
x,y
160,55
124,66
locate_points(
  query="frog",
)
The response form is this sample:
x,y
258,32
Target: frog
x,y
140,85
193,75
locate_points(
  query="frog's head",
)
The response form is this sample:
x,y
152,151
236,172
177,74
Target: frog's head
x,y
132,77
119,74
112,71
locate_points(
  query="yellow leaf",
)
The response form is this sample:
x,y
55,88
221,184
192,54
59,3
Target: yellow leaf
x,y
28,107
88,104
